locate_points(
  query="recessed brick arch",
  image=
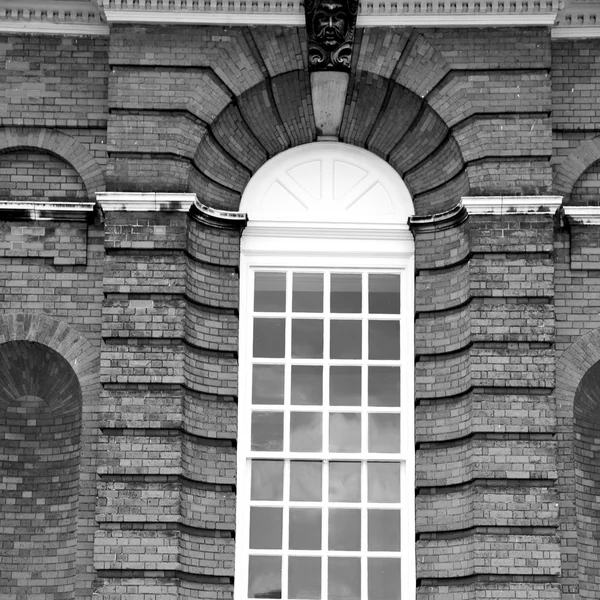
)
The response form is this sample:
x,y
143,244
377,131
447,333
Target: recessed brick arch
x,y
47,369
64,146
574,166
578,403
275,115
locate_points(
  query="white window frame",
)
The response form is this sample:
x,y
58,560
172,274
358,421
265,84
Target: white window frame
x,y
354,246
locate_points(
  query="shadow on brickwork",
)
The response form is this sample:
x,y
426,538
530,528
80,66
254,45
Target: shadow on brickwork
x,y
40,425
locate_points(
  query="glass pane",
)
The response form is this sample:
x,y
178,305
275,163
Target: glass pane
x,y
307,338
306,432
269,338
384,294
384,340
384,530
344,386
304,578
344,482
346,339
384,482
269,292
264,577
267,431
307,385
344,432
384,433
346,293
305,528
305,481
384,386
267,384
307,292
344,579
384,578
344,529
265,527
267,480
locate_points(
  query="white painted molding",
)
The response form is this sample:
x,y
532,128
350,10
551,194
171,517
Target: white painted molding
x,y
510,205
582,215
45,211
145,201
56,17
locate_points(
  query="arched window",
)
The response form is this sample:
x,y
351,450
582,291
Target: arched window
x,y
326,431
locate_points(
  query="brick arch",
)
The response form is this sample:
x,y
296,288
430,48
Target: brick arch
x,y
578,381
275,115
60,337
575,165
64,146
50,374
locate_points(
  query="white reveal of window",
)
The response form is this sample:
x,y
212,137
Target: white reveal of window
x,y
325,506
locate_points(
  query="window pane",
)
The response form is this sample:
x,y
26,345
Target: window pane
x,y
346,293
384,433
384,530
344,432
304,578
384,294
344,579
307,385
305,528
344,529
265,527
384,578
269,338
267,431
346,339
307,338
344,482
267,480
306,432
269,292
384,340
384,386
307,295
305,481
267,384
344,386
384,482
264,577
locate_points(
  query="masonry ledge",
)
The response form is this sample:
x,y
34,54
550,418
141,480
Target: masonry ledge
x,y
582,215
145,201
511,205
46,211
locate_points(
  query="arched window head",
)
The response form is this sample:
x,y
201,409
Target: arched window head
x,y
326,426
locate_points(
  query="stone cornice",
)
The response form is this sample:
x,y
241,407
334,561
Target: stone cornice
x,y
72,17
145,201
222,219
440,221
511,205
582,215
46,211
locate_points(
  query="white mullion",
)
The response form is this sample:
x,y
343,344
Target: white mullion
x,y
285,542
364,590
324,527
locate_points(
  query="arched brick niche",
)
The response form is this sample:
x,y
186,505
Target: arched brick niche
x,y
586,190
578,415
28,175
40,433
586,456
49,378
62,147
576,176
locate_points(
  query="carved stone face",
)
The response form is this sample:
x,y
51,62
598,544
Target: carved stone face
x,y
330,24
